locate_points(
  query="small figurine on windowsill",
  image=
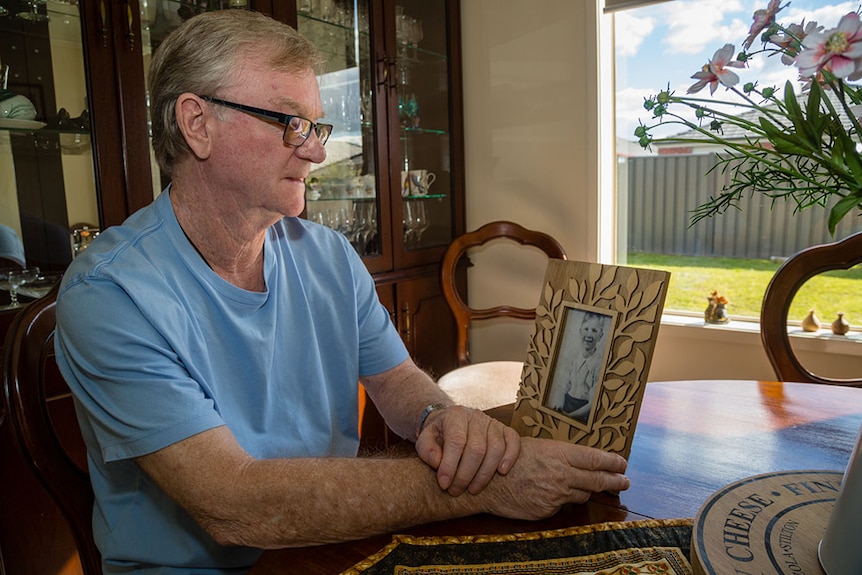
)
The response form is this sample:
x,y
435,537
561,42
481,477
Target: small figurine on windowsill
x,y
716,312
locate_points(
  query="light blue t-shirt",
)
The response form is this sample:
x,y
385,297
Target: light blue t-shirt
x,y
156,348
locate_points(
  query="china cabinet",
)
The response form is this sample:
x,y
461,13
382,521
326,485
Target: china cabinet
x,y
393,178
393,181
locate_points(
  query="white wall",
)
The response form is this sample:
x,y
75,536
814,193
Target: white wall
x,y
531,133
532,139
530,115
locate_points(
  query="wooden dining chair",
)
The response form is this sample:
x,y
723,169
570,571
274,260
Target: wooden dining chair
x,y
486,384
794,272
42,417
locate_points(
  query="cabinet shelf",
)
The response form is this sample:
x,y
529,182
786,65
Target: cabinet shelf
x,y
410,54
422,131
334,25
42,131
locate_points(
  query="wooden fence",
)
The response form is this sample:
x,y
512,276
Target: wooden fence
x,y
663,190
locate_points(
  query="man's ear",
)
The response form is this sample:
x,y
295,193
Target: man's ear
x,y
193,121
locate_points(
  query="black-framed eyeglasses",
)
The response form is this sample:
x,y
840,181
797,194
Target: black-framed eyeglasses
x,y
296,128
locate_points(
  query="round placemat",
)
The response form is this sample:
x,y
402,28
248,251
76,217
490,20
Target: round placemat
x,y
767,524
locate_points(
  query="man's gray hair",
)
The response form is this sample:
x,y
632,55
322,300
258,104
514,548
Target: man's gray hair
x,y
202,56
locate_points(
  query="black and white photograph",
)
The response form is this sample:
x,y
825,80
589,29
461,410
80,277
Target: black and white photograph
x,y
581,359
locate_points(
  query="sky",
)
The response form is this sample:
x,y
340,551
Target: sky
x,y
666,43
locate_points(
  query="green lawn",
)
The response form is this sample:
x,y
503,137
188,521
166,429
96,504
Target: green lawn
x,y
744,281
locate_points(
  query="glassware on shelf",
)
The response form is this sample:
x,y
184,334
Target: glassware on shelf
x,y
408,110
356,220
365,228
34,15
422,221
14,280
415,221
40,285
4,279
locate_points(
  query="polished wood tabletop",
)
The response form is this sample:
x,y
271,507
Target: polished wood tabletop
x,y
692,438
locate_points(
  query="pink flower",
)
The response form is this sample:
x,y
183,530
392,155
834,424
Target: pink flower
x,y
762,20
838,50
717,71
791,40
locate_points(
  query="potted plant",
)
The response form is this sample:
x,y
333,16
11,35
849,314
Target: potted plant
x,y
800,146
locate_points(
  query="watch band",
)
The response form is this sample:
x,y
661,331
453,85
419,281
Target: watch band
x,y
420,424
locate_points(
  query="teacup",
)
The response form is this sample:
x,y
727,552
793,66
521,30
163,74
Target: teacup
x,y
420,181
405,183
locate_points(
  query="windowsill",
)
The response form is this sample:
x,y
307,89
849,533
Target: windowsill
x,y
745,332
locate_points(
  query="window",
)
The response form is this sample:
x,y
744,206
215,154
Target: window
x,y
661,45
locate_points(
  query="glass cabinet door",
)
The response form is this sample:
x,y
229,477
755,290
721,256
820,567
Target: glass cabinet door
x,y
158,19
48,201
342,192
422,76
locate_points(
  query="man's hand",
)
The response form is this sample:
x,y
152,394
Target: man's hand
x,y
467,448
550,474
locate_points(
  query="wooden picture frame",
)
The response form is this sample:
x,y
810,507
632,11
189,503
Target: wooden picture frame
x,y
611,312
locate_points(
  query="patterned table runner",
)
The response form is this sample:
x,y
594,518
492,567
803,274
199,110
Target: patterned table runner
x,y
619,548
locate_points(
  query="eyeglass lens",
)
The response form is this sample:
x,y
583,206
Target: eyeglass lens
x,y
298,129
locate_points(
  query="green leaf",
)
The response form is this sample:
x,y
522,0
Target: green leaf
x,y
784,142
851,158
841,209
814,97
803,128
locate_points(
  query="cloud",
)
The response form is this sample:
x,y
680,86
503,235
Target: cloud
x,y
827,16
630,109
701,25
631,31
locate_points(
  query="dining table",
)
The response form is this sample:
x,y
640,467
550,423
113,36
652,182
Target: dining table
x,y
691,439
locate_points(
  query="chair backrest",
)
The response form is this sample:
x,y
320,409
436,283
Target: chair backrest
x,y
39,412
463,313
794,272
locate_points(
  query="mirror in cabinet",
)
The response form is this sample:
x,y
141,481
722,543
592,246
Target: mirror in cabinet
x,y
422,87
47,181
342,192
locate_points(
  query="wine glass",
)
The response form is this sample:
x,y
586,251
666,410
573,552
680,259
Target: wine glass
x,y
4,280
40,285
34,15
17,278
422,222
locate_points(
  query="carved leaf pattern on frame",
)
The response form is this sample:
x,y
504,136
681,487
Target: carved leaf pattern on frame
x,y
635,297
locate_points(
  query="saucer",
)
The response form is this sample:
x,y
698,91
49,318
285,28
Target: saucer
x,y
15,123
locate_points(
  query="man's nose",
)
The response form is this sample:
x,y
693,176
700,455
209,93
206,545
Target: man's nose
x,y
311,149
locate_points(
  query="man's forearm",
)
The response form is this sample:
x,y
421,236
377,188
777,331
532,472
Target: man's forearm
x,y
401,394
298,502
301,502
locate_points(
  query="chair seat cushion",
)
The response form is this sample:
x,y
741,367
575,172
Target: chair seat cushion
x,y
483,385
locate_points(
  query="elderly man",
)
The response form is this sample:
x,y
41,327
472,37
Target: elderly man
x,y
213,343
